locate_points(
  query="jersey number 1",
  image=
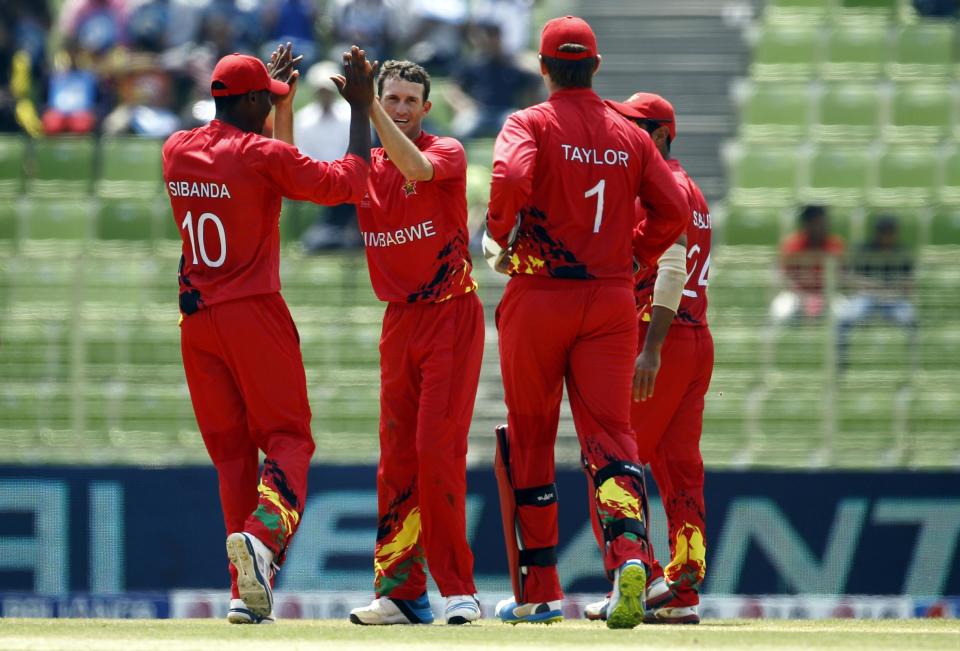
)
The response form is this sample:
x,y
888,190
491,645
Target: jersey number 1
x,y
598,191
204,218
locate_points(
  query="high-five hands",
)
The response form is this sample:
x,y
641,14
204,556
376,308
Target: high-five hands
x,y
356,82
283,67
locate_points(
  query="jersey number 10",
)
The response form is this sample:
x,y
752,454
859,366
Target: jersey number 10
x,y
187,225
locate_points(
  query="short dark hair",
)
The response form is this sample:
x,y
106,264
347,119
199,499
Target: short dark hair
x,y
886,224
405,71
567,73
224,103
810,212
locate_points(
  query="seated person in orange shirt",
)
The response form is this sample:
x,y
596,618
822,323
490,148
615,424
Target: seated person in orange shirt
x,y
803,255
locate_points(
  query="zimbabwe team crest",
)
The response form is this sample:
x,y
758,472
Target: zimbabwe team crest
x,y
410,187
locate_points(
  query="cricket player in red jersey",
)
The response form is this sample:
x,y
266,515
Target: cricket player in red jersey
x,y
413,219
241,351
560,222
668,424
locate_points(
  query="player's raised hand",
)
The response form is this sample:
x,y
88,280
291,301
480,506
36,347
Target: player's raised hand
x,y
283,65
356,82
645,373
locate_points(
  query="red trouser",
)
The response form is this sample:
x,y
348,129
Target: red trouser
x,y
668,429
430,356
584,332
249,392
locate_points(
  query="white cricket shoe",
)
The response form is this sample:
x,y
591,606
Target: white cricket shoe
x,y
240,614
384,611
677,615
461,609
626,601
254,564
596,610
547,612
657,594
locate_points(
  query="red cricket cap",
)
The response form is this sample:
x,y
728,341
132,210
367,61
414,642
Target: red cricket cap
x,y
241,73
568,29
653,107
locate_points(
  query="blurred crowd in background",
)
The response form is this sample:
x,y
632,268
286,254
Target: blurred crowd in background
x,y
143,66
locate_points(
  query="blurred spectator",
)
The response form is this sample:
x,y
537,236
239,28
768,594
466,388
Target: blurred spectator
x,y
17,76
489,86
93,27
936,8
148,26
362,22
437,30
514,17
71,102
322,132
145,94
881,275
293,21
803,256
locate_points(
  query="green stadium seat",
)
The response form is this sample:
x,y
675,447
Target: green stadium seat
x,y
295,218
13,152
949,191
58,219
786,52
62,166
848,113
763,175
905,177
9,218
945,227
775,112
862,10
837,176
752,225
924,50
856,51
130,167
129,219
920,113
794,11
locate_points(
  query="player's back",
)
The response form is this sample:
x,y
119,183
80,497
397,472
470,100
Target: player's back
x,y
588,168
692,310
226,211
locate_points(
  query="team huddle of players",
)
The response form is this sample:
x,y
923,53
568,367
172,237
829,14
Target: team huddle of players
x,y
607,244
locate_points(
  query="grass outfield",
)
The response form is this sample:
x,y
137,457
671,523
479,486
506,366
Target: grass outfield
x,y
209,635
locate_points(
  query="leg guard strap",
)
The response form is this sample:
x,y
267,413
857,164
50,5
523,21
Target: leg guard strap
x,y
538,557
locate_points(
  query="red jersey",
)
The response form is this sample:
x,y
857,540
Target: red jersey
x,y
415,232
803,263
571,167
225,187
693,304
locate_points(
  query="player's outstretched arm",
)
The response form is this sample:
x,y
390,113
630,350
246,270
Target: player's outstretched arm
x,y
356,86
402,152
282,66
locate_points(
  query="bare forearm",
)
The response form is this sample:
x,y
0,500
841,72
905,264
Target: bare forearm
x,y
359,132
283,124
402,152
660,320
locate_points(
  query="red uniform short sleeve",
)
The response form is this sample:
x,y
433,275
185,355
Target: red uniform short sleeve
x,y
448,158
666,207
301,178
514,157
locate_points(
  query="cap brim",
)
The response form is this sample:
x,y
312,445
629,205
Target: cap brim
x,y
624,109
278,87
